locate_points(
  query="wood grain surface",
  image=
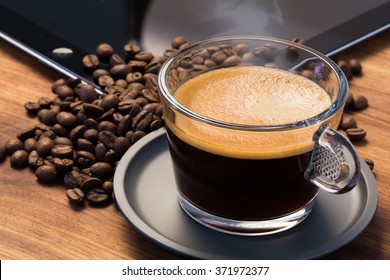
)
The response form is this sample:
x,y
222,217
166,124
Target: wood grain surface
x,y
37,221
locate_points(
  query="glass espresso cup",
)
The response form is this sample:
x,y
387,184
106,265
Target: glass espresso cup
x,y
245,162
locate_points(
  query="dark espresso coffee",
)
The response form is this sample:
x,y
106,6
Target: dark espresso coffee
x,y
243,174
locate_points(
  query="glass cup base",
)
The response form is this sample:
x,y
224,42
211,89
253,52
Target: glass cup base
x,y
246,228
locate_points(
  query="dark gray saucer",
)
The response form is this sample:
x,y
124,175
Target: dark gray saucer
x,y
146,194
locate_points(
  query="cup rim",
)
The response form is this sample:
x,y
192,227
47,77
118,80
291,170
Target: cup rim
x,y
327,113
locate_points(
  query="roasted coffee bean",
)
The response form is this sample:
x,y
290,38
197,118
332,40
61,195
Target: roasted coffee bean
x,y
132,49
73,179
218,57
144,123
44,102
91,123
91,135
144,56
141,101
348,122
77,132
81,116
116,117
92,110
64,91
101,169
75,195
298,40
57,83
266,53
85,159
34,160
130,93
150,95
106,116
46,173
137,65
356,134
120,71
85,145
369,162
91,61
240,49
12,145
108,187
98,73
73,82
76,107
134,77
86,171
86,92
26,133
355,66
178,41
138,118
125,106
97,196
169,52
32,107
186,63
66,119
107,126
19,159
38,133
154,108
48,134
63,164
111,157
349,102
47,116
116,59
90,182
232,60
121,83
44,146
148,76
62,141
345,68
60,131
136,86
62,151
30,144
133,137
104,51
105,80
156,124
109,101
107,138
359,102
100,151
154,66
124,125
121,145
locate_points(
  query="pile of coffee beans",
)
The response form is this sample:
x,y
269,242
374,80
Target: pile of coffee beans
x,y
83,131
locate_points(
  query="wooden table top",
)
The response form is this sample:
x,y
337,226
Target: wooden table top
x,y
37,222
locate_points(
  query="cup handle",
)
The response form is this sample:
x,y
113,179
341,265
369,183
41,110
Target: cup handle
x,y
334,165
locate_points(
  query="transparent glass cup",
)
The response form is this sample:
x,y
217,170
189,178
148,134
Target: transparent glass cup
x,y
243,194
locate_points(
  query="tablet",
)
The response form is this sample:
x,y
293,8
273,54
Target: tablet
x,y
60,33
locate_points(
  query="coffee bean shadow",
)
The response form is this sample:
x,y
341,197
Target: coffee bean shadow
x,y
77,206
361,143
